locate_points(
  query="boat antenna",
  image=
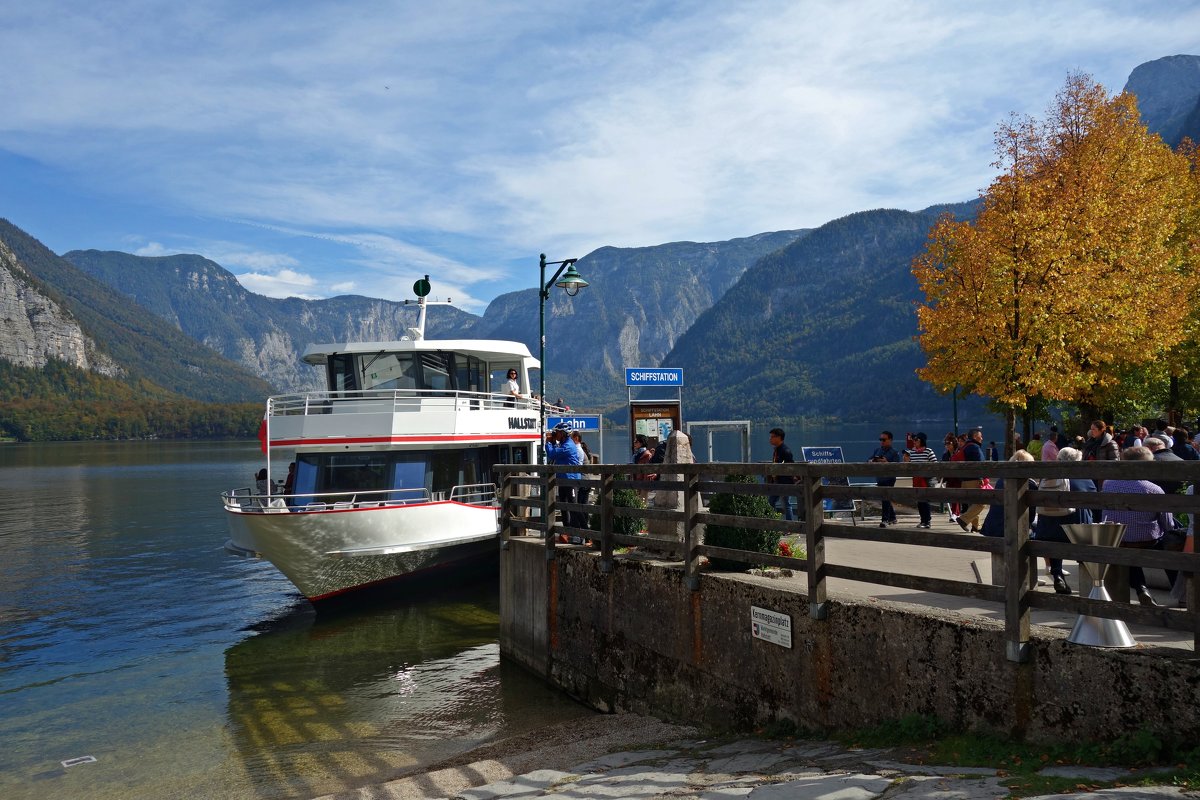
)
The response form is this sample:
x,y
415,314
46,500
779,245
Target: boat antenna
x,y
421,289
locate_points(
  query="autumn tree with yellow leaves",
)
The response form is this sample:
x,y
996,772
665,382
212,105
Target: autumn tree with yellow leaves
x,y
1073,270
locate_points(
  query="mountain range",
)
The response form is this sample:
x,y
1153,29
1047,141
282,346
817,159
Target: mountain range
x,y
780,325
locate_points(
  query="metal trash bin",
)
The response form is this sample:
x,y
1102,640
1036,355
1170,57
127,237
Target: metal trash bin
x,y
1098,631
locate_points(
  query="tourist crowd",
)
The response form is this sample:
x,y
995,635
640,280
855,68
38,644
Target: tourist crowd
x,y
1143,529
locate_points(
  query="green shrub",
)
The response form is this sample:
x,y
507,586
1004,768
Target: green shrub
x,y
742,505
623,498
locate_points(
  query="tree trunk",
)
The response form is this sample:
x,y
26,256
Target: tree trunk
x,y
1174,417
1010,430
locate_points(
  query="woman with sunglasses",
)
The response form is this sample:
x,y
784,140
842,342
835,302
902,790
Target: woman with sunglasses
x,y
514,387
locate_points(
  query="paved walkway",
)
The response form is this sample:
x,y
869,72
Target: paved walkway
x,y
940,562
764,770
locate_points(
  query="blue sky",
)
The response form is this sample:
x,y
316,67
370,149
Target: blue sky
x,y
317,148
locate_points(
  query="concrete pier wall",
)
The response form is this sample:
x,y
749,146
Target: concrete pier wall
x,y
636,638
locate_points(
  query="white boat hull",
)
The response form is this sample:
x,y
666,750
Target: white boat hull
x,y
330,552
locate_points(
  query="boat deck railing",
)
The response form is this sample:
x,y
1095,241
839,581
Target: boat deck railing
x,y
248,501
398,401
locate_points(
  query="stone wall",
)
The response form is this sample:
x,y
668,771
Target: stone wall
x,y
636,639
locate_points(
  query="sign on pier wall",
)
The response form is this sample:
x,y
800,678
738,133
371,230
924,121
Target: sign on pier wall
x,y
771,626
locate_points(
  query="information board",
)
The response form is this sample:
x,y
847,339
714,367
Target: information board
x,y
829,455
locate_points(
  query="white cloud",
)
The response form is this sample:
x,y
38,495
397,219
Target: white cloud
x,y
252,260
452,141
153,250
283,283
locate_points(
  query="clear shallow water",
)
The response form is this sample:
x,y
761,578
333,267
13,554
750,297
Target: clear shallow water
x,y
127,634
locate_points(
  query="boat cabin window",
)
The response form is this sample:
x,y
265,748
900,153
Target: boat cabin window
x,y
470,371
436,371
389,371
394,474
358,472
423,371
342,375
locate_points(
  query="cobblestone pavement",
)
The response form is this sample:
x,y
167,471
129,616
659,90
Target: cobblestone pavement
x,y
766,770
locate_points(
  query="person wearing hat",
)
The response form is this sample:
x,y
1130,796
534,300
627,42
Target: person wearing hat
x,y
1158,446
562,451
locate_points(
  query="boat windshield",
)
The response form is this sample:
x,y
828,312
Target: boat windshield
x,y
427,371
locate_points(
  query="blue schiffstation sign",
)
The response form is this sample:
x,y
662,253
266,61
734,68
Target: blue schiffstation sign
x,y
653,376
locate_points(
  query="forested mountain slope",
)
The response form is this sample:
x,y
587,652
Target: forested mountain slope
x,y
143,346
823,328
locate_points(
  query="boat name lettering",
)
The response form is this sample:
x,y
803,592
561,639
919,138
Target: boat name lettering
x,y
522,423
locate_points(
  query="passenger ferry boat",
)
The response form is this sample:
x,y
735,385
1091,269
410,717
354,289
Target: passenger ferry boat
x,y
393,461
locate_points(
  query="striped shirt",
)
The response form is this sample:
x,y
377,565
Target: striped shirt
x,y
1140,526
921,455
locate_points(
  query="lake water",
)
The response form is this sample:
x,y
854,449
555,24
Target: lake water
x,y
129,635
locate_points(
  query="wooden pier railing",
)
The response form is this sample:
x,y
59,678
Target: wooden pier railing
x,y
529,491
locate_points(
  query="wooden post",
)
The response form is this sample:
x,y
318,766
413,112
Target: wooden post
x,y
691,530
549,510
1191,591
606,521
506,493
1017,574
814,546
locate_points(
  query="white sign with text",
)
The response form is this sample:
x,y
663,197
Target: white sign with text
x,y
771,626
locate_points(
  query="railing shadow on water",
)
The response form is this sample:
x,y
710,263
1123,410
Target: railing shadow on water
x,y
524,487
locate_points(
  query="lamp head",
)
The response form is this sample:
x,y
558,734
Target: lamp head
x,y
571,281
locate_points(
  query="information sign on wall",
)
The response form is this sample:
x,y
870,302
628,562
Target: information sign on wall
x,y
771,626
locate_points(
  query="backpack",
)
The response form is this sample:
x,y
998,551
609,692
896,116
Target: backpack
x,y
660,452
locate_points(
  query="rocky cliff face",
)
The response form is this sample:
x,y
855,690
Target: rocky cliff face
x,y
265,335
34,328
1168,93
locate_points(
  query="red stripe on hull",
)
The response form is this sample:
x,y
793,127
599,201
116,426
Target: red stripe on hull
x,y
499,437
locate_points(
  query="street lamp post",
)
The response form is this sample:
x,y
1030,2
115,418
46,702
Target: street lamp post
x,y
571,282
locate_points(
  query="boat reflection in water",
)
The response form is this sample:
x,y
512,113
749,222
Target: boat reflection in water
x,y
324,704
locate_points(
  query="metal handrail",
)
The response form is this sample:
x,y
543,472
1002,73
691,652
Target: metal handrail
x,y
323,402
476,494
246,500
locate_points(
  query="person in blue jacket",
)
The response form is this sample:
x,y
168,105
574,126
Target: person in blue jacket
x,y
561,450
